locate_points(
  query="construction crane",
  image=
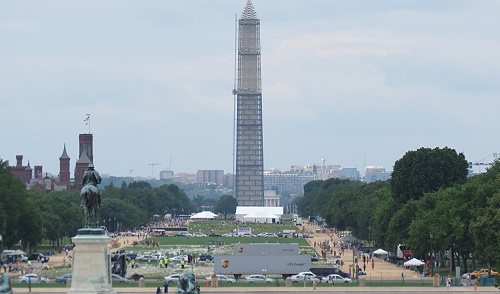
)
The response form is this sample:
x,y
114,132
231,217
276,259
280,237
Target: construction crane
x,y
482,163
153,168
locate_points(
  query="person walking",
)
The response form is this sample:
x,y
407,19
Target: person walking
x,y
165,262
448,282
182,262
29,284
158,290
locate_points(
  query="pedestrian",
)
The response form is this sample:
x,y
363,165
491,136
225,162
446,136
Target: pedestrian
x,y
182,262
165,287
373,264
448,282
364,267
158,290
29,283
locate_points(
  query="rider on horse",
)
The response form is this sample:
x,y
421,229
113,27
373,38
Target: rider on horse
x,y
91,195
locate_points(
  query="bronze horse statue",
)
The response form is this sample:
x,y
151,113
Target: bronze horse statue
x,y
91,196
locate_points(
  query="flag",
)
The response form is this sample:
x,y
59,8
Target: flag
x,y
86,120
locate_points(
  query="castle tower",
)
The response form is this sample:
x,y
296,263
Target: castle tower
x,y
81,166
249,180
86,143
24,173
64,166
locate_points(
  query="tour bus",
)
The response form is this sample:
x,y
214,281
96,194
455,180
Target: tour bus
x,y
159,232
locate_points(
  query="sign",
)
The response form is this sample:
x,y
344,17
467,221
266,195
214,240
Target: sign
x,y
255,249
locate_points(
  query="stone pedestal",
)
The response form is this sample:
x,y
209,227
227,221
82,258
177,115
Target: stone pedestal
x,y
91,263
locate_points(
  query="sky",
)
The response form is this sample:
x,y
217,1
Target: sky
x,y
358,83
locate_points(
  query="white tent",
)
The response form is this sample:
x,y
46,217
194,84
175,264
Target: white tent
x,y
204,215
413,262
258,214
380,251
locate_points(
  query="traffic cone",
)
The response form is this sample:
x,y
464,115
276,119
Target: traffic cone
x,y
475,287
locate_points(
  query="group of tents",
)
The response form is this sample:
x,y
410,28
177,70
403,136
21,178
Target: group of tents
x,y
411,262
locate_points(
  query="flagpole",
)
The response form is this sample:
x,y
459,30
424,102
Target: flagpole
x,y
87,120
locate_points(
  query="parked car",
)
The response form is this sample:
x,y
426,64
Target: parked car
x,y
221,279
39,256
145,257
309,277
205,257
214,234
34,279
156,257
178,258
482,272
336,279
116,278
246,234
183,234
199,234
258,279
131,256
172,278
63,279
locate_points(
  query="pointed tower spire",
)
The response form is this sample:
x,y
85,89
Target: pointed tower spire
x,y
64,175
64,154
249,11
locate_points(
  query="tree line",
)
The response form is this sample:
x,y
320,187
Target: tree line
x,y
429,204
28,217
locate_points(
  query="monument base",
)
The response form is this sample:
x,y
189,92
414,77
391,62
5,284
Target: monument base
x,y
91,263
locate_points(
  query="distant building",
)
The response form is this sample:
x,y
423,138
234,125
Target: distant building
x,y
210,176
376,173
62,181
185,178
346,173
24,173
167,174
287,181
271,199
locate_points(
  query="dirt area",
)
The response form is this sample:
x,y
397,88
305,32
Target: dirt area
x,y
382,270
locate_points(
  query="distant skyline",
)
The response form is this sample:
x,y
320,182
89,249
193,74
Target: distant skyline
x,y
355,82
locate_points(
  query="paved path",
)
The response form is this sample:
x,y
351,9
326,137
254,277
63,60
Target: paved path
x,y
269,290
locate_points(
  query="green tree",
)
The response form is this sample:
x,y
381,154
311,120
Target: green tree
x,y
13,198
31,226
226,205
427,170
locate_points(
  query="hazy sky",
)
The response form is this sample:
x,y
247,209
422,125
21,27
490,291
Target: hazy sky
x,y
356,82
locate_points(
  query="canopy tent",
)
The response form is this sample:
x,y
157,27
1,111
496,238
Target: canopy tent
x,y
204,215
348,238
380,251
258,214
13,253
413,262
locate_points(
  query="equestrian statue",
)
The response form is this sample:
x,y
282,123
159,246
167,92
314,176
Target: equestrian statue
x,y
91,196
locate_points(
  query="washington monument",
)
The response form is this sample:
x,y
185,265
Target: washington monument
x,y
249,138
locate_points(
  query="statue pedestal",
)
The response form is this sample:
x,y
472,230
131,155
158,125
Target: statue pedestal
x,y
91,263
